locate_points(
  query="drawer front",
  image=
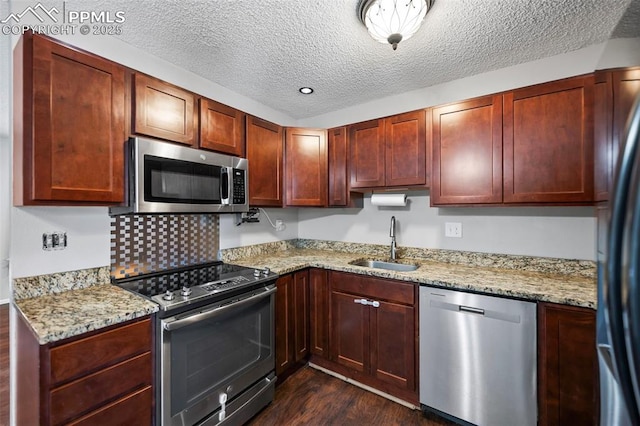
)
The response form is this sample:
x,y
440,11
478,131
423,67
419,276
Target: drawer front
x,y
88,393
133,409
376,288
92,353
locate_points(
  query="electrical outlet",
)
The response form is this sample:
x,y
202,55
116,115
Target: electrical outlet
x,y
280,226
453,229
54,240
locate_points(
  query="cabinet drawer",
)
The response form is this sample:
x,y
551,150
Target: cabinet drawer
x,y
378,288
94,390
86,355
133,409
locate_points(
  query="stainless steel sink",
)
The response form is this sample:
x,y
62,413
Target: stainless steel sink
x,y
379,264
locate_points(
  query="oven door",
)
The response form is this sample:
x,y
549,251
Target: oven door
x,y
209,357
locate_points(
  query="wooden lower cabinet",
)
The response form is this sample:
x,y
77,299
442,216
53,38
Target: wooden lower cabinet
x,y
292,321
373,342
567,366
319,312
87,380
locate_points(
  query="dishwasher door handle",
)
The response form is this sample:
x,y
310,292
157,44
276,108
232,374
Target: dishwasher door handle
x,y
471,309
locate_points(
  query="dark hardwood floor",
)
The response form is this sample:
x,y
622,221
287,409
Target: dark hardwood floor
x,y
4,364
311,397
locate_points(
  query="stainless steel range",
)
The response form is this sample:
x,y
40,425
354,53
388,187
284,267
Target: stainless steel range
x,y
215,342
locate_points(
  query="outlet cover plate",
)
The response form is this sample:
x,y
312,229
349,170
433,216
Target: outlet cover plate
x,y
453,229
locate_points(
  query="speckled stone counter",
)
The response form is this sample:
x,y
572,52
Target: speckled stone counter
x,y
569,282
59,306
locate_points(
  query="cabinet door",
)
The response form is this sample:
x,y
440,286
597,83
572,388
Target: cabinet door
x,y
467,152
163,110
284,312
306,167
548,142
264,152
602,131
338,152
319,310
350,331
568,365
301,314
393,344
626,86
221,128
69,126
406,149
366,154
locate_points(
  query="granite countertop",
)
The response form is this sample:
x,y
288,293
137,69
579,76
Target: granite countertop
x,y
570,288
70,313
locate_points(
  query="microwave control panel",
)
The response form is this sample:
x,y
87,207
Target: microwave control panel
x,y
239,192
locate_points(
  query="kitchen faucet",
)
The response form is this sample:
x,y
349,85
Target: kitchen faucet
x,y
392,234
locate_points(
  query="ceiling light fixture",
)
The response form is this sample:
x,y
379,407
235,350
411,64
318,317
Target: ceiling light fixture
x,y
306,90
391,21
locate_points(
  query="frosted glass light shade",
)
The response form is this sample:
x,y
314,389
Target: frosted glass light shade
x,y
390,21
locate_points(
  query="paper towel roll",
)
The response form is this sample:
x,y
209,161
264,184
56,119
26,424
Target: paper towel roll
x,y
389,199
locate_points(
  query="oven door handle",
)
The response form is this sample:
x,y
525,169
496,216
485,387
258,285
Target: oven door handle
x,y
176,324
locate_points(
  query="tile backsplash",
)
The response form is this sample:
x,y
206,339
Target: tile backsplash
x,y
151,243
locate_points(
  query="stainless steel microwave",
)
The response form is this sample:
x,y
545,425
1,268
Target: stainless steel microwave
x,y
168,178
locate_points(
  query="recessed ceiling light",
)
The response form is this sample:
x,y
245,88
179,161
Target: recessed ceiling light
x,y
306,90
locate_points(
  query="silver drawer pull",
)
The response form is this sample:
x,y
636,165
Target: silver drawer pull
x,y
375,304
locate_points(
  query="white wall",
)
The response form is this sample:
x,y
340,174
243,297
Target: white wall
x,y
257,233
565,232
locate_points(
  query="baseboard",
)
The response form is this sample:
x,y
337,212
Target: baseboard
x,y
363,386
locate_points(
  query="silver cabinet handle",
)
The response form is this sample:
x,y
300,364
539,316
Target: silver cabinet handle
x,y
367,302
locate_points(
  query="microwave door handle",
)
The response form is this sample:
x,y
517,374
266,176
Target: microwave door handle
x,y
225,185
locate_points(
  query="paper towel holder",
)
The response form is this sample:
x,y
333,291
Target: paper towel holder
x,y
389,200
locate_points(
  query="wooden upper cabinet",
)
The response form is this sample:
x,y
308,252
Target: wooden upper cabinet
x,y
221,128
306,167
339,191
163,110
69,125
338,148
264,152
389,152
406,150
548,142
467,152
626,87
366,154
603,135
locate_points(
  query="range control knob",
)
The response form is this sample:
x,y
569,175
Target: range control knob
x,y
168,295
256,272
266,271
185,291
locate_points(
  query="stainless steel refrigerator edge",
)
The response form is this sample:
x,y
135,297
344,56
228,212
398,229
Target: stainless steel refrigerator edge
x,y
618,315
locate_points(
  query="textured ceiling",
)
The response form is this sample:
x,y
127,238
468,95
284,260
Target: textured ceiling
x,y
267,49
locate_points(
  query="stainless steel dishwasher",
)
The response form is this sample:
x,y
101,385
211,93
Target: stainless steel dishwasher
x,y
478,357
